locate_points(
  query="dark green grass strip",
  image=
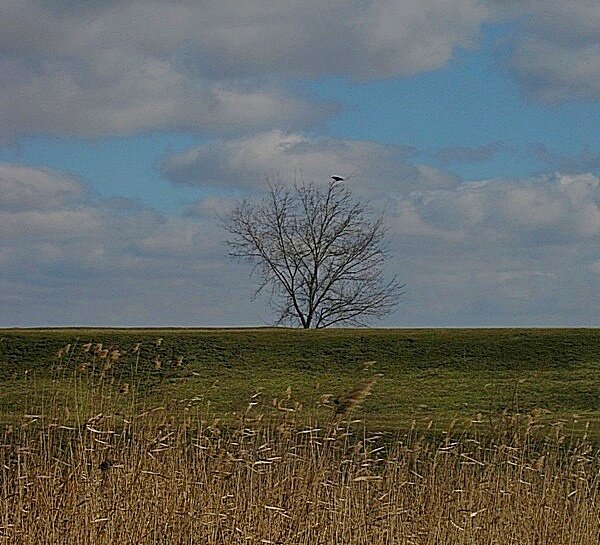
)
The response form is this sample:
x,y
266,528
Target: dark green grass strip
x,y
427,374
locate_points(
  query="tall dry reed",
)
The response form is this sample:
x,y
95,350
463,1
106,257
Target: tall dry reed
x,y
121,476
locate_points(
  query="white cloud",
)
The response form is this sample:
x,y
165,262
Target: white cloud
x,y
501,252
26,188
553,72
594,267
245,162
495,252
422,202
125,67
550,209
557,47
146,95
117,67
69,257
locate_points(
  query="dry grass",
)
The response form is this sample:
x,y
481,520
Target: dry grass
x,y
118,475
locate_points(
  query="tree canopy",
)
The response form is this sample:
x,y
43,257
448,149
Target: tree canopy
x,y
320,252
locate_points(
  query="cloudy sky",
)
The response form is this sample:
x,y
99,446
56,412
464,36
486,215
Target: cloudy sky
x,y
125,125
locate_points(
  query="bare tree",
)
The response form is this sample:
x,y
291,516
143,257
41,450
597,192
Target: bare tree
x,y
319,252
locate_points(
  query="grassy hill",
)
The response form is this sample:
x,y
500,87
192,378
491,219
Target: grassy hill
x,y
234,436
427,374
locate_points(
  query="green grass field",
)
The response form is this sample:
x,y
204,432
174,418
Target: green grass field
x,y
438,375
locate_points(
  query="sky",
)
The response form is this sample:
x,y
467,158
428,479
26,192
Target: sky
x,y
126,126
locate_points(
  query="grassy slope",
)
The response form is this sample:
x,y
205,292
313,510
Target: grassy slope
x,y
427,374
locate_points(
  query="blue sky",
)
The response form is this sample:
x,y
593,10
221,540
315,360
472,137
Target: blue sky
x,y
122,130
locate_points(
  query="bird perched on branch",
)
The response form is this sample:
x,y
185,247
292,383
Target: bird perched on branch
x,y
337,178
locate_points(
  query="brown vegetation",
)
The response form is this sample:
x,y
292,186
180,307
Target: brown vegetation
x,y
273,479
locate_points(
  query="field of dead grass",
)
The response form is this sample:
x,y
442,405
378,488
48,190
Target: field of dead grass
x,y
98,465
